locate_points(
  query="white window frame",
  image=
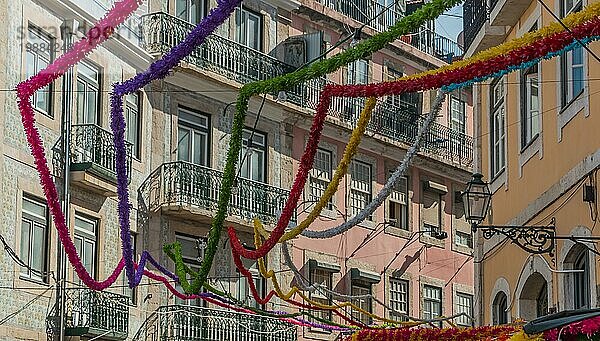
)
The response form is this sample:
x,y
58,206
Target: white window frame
x,y
321,175
187,14
28,250
242,17
91,86
133,122
359,289
193,123
399,200
530,119
399,299
460,237
498,128
320,295
361,192
464,304
41,54
430,302
84,236
249,153
458,115
567,64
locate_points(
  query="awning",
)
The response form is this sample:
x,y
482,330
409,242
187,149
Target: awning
x,y
357,274
330,267
434,186
559,320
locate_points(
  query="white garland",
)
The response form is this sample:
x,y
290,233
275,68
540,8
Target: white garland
x,y
391,183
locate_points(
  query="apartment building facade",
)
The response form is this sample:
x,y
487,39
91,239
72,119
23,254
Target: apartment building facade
x,y
178,135
536,148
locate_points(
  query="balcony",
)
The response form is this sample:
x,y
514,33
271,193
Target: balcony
x,y
92,158
395,120
196,188
175,323
479,32
507,12
93,314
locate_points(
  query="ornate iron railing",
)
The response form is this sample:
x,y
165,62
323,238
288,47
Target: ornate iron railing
x,y
197,323
161,31
92,149
364,11
185,184
399,121
92,313
434,44
475,14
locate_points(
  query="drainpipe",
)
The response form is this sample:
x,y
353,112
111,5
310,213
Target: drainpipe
x,y
68,29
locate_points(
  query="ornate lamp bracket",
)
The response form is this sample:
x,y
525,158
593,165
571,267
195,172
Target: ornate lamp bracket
x,y
533,239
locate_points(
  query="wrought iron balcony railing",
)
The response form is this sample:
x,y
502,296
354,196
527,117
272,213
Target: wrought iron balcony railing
x,y
185,184
93,150
171,323
91,313
399,121
475,14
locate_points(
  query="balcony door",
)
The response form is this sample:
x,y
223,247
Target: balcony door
x,y
252,196
190,10
87,144
192,182
248,32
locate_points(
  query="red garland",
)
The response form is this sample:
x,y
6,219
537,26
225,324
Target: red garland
x,y
587,327
427,334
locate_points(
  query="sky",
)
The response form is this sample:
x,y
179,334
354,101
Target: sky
x,y
450,24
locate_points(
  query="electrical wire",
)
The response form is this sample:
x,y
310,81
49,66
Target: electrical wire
x,y
30,302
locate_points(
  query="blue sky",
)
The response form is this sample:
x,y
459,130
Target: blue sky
x,y
450,25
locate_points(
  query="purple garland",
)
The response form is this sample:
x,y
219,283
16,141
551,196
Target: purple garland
x,y
158,70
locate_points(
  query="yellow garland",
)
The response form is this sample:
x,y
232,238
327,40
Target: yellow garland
x,y
572,20
294,290
522,336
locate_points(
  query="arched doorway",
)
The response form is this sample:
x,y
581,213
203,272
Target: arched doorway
x,y
577,284
499,307
533,300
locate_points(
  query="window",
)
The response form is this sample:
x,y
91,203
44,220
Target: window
x,y
464,239
358,72
581,281
497,127
39,54
432,210
361,186
432,303
132,119
131,293
499,309
320,176
248,28
253,156
193,137
398,205
360,288
457,119
398,299
464,304
325,279
86,240
34,238
190,10
88,94
191,254
572,63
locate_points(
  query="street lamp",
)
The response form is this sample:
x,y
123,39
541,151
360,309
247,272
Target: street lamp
x,y
533,239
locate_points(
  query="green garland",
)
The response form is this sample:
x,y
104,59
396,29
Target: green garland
x,y
364,49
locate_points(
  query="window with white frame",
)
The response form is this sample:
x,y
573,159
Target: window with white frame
x,y
39,54
193,137
464,305
360,288
86,242
432,210
34,238
398,205
530,105
132,122
190,10
463,239
320,175
248,25
253,156
432,303
497,127
88,94
572,73
399,299
358,72
192,254
361,186
325,279
458,115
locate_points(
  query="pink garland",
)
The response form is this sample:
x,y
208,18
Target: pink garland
x,y
96,36
589,328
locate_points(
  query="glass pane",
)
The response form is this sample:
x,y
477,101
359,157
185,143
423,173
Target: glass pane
x,y
254,32
257,166
181,9
88,71
577,80
34,209
30,66
183,146
38,248
88,256
25,241
80,102
85,225
199,148
92,106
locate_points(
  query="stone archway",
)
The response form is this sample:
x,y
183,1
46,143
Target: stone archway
x,y
533,299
